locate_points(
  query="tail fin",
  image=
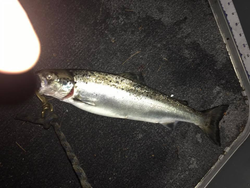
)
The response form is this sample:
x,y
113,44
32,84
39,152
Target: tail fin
x,y
212,120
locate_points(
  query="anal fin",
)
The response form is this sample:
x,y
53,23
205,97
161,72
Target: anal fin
x,y
170,125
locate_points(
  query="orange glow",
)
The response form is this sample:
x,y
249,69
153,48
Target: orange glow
x,y
19,44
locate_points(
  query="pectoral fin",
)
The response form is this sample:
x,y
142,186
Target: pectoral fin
x,y
84,100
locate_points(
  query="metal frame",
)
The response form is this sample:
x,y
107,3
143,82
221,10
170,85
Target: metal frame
x,y
240,71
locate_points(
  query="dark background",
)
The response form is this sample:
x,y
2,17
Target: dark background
x,y
181,54
236,171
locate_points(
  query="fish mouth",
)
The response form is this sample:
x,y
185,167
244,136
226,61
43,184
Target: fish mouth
x,y
38,82
41,82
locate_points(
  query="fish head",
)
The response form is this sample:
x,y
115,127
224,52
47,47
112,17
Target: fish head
x,y
56,83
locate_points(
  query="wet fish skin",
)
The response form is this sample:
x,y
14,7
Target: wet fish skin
x,y
120,96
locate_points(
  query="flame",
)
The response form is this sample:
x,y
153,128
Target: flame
x,y
19,44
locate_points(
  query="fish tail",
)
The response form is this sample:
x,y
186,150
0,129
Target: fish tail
x,y
212,120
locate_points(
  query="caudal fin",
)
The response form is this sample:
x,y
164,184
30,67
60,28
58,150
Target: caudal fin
x,y
212,120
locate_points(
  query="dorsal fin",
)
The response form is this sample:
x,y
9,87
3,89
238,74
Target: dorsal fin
x,y
134,77
180,101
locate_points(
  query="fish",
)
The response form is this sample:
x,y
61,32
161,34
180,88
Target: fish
x,y
125,96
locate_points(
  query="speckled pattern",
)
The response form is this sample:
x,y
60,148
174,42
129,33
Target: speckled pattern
x,y
177,47
135,101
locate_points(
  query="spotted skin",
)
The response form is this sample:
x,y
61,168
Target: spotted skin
x,y
117,96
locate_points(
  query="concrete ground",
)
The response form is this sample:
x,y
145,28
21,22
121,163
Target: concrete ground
x,y
177,47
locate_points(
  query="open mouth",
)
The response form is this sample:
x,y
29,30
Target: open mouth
x,y
41,83
44,82
38,82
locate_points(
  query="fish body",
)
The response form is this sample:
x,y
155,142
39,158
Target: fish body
x,y
123,96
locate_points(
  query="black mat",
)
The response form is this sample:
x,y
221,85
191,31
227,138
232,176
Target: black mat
x,y
235,172
177,47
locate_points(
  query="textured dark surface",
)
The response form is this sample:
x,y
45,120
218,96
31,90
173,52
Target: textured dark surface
x,y
181,54
236,171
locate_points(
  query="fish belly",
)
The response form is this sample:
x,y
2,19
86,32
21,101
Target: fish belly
x,y
113,102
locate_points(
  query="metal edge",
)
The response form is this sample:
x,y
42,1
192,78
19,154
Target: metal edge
x,y
238,65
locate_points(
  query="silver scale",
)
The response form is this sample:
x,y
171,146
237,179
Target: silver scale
x,y
238,33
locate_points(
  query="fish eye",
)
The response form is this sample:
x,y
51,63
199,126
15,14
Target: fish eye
x,y
64,82
49,77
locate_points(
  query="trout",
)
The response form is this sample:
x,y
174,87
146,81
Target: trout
x,y
125,96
